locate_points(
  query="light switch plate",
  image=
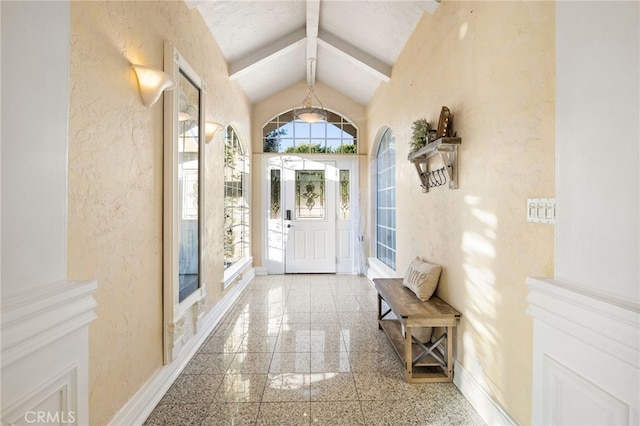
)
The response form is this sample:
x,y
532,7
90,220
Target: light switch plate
x,y
541,210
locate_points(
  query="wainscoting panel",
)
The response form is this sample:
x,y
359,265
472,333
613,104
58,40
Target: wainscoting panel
x,y
569,398
586,357
52,402
45,355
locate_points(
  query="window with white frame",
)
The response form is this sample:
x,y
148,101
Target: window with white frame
x,y
285,133
386,200
236,201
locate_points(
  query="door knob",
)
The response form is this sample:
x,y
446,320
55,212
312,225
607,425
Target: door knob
x,y
289,225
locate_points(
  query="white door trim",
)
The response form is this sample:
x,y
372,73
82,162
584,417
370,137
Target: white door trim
x,y
273,252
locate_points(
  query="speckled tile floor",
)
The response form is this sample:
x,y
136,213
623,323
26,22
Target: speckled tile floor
x,y
302,350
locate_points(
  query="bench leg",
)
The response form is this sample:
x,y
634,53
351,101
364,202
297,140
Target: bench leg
x,y
379,311
408,353
450,353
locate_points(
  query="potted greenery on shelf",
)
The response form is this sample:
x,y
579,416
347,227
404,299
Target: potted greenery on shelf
x,y
420,136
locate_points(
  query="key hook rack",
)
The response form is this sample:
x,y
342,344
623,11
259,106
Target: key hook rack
x,y
447,149
435,178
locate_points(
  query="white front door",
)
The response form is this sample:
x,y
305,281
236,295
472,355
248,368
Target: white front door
x,y
310,216
323,224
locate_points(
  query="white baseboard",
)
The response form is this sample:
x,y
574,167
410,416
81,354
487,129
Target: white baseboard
x,y
140,406
261,270
487,408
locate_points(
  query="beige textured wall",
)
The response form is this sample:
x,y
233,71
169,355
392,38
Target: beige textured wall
x,y
284,101
492,63
115,181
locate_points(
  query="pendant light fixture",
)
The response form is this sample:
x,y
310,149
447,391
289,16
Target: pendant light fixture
x,y
310,114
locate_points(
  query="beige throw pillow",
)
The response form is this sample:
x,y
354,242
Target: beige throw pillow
x,y
422,278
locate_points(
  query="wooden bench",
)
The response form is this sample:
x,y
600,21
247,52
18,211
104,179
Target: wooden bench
x,y
423,361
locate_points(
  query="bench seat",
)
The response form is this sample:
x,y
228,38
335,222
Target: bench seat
x,y
423,360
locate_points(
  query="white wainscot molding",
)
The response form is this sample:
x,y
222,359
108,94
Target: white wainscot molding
x,y
45,354
586,356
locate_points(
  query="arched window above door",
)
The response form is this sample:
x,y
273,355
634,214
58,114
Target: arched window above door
x,y
285,133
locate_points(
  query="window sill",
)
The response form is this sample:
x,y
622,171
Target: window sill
x,y
377,269
235,270
182,307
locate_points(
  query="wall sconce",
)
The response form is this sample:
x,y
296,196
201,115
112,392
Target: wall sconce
x,y
210,129
152,83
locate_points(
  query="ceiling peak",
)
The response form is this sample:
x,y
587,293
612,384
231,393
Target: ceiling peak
x,y
270,45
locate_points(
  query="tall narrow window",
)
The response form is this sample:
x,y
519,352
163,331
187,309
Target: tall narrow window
x,y
386,200
236,202
275,194
345,196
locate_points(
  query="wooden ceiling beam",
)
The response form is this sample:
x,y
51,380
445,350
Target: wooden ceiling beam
x,y
279,47
313,26
355,55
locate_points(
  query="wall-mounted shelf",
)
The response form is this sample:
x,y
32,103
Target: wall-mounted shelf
x,y
447,148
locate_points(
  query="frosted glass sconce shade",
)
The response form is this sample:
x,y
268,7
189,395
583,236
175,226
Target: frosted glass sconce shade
x,y
210,129
152,83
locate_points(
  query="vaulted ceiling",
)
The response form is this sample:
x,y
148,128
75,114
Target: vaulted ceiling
x,y
348,45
